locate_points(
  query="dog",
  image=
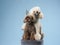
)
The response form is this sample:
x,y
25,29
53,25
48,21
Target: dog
x,y
37,14
29,30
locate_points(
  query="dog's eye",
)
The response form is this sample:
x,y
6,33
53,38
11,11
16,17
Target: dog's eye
x,y
37,12
33,11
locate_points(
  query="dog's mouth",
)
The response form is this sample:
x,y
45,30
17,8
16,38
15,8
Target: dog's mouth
x,y
36,16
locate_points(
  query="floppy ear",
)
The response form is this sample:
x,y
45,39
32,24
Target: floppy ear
x,y
41,15
24,20
27,12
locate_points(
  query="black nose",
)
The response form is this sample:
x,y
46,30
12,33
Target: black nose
x,y
36,14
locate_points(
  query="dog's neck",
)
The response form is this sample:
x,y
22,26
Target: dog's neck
x,y
35,21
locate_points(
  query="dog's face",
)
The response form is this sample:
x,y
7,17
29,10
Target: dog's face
x,y
36,13
28,19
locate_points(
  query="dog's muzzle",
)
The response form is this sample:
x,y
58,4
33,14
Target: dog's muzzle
x,y
37,14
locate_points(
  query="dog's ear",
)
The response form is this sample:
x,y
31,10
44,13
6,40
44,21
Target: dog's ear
x,y
27,12
41,15
26,18
32,19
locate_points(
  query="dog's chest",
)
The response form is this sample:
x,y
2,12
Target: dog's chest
x,y
30,27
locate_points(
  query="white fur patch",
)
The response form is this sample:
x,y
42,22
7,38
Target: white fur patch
x,y
37,26
35,9
23,26
37,36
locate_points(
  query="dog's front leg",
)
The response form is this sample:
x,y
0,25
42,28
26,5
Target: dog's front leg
x,y
37,35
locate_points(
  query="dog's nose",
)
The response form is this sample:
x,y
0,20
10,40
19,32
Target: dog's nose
x,y
36,14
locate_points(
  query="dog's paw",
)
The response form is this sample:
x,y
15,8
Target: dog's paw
x,y
37,37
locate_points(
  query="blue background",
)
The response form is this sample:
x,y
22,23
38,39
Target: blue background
x,y
12,13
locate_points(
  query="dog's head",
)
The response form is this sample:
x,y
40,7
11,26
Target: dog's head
x,y
36,13
28,19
